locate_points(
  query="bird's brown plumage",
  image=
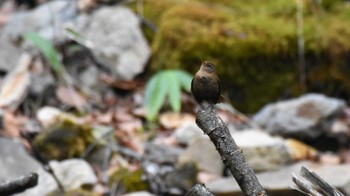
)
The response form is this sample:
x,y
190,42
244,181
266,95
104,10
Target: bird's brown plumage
x,y
205,84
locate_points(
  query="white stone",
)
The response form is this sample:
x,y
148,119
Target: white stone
x,y
188,133
73,173
262,151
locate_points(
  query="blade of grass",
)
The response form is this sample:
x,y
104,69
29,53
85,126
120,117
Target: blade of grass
x,y
47,50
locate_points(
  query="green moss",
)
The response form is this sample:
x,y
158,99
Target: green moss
x,y
238,46
64,140
253,44
131,181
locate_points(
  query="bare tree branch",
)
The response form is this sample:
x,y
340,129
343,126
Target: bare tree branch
x,y
318,182
199,190
231,155
304,187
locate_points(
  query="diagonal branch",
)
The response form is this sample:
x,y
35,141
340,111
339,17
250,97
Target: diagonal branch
x,y
231,155
199,189
19,185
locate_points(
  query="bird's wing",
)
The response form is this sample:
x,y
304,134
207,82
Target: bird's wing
x,y
219,85
192,85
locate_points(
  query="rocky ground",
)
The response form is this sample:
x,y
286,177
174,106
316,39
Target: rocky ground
x,y
84,130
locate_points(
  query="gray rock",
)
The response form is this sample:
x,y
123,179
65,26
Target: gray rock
x,y
188,133
48,20
15,162
118,41
181,179
89,77
40,82
308,116
13,155
202,152
73,173
161,153
278,182
9,55
262,151
46,185
114,33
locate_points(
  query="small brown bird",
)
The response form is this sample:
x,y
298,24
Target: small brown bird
x,y
205,84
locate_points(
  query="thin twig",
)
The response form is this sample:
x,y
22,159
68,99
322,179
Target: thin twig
x,y
301,47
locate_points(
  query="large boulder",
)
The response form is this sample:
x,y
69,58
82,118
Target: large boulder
x,y
278,182
308,116
15,162
262,151
47,20
203,154
118,41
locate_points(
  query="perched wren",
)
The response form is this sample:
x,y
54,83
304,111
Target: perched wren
x,y
205,84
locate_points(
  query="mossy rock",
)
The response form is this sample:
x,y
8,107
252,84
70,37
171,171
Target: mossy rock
x,y
131,181
63,140
253,44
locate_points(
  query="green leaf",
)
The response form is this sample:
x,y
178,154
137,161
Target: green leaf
x,y
184,79
163,84
174,90
47,49
156,91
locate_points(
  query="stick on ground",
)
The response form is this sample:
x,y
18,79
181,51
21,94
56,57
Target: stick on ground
x,y
199,189
230,153
19,185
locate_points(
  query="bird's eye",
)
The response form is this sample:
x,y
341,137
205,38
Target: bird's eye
x,y
210,65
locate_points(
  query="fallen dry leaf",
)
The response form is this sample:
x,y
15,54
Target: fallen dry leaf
x,y
6,10
105,118
12,124
123,116
166,140
85,5
122,85
130,126
300,150
205,177
328,158
15,86
130,141
172,120
71,97
140,112
345,155
130,137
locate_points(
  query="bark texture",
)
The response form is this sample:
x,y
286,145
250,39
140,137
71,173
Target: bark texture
x,y
231,155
